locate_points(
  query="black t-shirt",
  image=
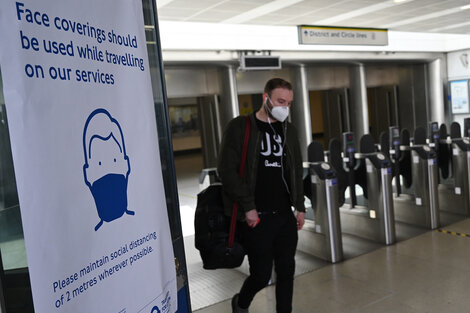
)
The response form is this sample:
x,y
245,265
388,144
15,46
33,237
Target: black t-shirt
x,y
271,193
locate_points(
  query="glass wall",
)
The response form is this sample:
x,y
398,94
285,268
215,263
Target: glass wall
x,y
11,233
13,267
12,249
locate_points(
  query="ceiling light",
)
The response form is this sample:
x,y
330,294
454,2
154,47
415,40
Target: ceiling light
x,y
354,13
439,29
359,12
420,18
465,7
162,3
270,7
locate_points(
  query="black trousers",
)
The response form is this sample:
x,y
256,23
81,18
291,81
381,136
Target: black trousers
x,y
273,240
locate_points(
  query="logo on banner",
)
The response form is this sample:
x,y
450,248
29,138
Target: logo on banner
x,y
166,305
107,167
155,309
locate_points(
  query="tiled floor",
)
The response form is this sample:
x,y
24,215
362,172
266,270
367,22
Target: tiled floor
x,y
209,287
428,273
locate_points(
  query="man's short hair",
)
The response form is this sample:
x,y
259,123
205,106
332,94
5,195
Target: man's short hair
x,y
276,83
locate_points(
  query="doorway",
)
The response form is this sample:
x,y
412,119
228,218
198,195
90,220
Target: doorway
x,y
383,109
329,114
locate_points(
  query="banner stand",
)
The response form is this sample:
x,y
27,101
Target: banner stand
x,y
2,286
81,99
174,217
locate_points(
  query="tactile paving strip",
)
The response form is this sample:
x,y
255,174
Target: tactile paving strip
x,y
210,287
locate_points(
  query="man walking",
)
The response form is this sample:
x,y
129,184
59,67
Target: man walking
x,y
269,188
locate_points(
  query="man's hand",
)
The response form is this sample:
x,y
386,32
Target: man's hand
x,y
252,218
300,220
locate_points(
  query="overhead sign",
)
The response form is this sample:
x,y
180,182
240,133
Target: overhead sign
x,y
329,35
81,117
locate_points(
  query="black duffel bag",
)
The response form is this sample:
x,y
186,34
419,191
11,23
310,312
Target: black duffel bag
x,y
212,232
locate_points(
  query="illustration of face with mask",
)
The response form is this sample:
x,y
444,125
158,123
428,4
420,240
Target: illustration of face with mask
x,y
107,168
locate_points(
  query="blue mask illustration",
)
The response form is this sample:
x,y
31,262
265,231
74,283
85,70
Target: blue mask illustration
x,y
107,167
110,193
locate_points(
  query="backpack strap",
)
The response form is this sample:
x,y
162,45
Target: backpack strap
x,y
233,221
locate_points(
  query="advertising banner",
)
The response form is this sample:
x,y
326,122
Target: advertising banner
x,y
85,149
459,96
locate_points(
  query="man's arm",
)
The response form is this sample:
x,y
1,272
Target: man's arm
x,y
252,218
300,220
299,201
228,166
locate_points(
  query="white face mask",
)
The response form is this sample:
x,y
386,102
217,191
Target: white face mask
x,y
280,113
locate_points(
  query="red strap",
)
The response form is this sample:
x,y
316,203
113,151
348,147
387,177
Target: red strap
x,y
233,221
245,146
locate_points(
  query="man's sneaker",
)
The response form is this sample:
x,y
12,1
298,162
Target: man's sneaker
x,y
235,307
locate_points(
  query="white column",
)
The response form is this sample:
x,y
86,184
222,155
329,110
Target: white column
x,y
300,115
359,110
229,98
436,92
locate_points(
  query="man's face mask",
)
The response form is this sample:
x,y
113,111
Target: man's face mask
x,y
280,113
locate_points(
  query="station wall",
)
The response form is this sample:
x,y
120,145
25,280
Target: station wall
x,y
458,69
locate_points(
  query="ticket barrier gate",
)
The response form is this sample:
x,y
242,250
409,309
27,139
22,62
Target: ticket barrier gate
x,y
321,235
455,192
376,220
422,206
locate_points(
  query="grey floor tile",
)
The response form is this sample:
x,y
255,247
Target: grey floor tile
x,y
461,227
222,307
349,292
436,299
387,304
306,304
431,244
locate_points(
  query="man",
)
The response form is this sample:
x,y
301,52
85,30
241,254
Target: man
x,y
270,186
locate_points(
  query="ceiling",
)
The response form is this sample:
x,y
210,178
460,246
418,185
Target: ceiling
x,y
433,16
